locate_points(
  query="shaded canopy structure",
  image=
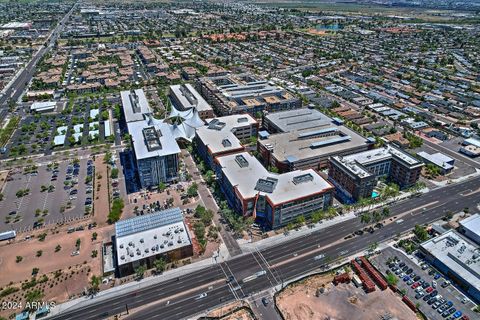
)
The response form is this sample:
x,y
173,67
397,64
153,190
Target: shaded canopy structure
x,y
183,123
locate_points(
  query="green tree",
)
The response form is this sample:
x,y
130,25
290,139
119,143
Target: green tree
x,y
392,279
95,284
192,191
385,212
33,296
162,186
58,248
114,173
19,259
365,218
159,265
420,233
209,177
300,220
140,272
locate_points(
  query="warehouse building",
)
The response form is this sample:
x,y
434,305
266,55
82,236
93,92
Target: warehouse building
x,y
184,98
224,135
306,138
139,241
458,258
355,176
244,93
274,199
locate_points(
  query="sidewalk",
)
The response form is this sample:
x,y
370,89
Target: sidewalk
x,y
136,285
248,246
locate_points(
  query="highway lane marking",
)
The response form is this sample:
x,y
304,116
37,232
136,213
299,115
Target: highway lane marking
x,y
470,193
169,298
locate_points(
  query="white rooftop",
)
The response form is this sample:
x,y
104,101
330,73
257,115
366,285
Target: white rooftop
x,y
472,224
42,106
458,253
135,105
249,177
439,159
189,97
219,133
149,235
163,143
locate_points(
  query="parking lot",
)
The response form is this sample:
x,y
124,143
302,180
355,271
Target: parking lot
x,y
81,121
436,297
47,194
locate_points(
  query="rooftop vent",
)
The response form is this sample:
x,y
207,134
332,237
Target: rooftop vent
x,y
241,161
266,185
302,178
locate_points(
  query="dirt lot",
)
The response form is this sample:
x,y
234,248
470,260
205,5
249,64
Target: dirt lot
x,y
60,275
101,207
344,301
241,314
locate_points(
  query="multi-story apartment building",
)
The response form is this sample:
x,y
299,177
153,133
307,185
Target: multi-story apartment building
x,y
234,94
355,175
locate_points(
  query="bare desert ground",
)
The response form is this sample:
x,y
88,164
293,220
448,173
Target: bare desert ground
x,y
345,301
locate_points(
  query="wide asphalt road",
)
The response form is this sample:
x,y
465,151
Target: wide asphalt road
x,y
14,92
177,299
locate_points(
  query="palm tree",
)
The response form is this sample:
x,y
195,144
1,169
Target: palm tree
x,y
365,218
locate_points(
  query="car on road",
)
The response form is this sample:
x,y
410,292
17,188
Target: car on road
x,y
201,296
265,301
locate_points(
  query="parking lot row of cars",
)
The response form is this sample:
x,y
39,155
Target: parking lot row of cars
x,y
426,289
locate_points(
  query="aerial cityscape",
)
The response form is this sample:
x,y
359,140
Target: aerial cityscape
x,y
240,160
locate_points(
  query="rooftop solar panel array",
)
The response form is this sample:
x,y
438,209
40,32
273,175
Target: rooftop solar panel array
x,y
147,222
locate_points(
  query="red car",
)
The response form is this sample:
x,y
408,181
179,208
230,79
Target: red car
x,y
465,317
429,289
415,285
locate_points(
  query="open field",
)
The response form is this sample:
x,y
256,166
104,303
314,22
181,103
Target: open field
x,y
355,8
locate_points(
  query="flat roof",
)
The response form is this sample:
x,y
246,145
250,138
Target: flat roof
x,y
472,224
189,97
165,143
135,105
458,253
355,163
304,144
42,106
438,159
299,119
248,175
149,235
219,133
